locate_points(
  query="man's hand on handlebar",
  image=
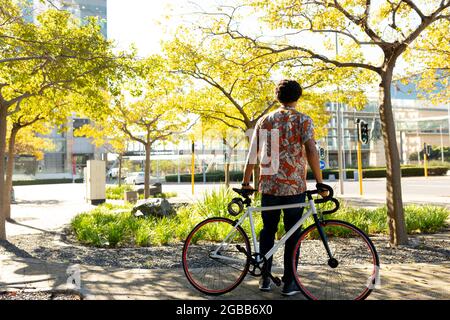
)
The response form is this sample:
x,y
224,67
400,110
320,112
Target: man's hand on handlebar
x,y
246,186
323,192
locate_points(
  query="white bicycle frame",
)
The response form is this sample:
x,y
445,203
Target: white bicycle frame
x,y
248,213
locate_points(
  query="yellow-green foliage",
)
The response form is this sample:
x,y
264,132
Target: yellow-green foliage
x,y
115,226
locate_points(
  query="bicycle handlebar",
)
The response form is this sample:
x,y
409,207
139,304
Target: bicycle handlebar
x,y
321,187
245,193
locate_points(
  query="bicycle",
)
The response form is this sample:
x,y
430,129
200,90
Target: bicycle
x,y
336,260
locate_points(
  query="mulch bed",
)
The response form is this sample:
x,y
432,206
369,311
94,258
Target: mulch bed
x,y
23,295
432,248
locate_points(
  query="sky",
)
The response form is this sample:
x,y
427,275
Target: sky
x,y
143,22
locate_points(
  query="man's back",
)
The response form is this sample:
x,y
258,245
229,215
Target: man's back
x,y
294,129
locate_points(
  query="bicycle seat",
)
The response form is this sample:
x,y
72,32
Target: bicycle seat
x,y
244,192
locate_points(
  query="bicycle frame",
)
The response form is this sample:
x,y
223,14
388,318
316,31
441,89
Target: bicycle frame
x,y
248,213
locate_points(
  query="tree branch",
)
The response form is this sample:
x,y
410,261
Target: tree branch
x,y
413,6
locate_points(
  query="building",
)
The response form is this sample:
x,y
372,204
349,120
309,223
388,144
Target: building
x,y
79,8
417,120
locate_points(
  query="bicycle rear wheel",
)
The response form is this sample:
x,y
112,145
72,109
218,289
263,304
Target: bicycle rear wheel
x,y
211,260
355,274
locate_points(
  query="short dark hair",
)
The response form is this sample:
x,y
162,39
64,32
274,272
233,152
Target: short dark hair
x,y
288,91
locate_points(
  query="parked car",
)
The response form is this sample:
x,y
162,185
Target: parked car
x,y
135,178
113,173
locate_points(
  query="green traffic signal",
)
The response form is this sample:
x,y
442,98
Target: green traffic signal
x,y
363,131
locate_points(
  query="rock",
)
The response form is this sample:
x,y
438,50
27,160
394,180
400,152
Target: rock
x,y
157,207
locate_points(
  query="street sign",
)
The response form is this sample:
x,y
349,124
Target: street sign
x,y
322,164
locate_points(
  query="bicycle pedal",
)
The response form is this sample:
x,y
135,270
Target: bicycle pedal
x,y
242,250
275,280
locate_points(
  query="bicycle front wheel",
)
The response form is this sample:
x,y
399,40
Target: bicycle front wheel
x,y
351,276
211,259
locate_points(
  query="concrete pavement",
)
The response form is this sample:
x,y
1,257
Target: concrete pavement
x,y
398,282
49,208
45,207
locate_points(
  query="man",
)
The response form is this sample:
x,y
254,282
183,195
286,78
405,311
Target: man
x,y
284,142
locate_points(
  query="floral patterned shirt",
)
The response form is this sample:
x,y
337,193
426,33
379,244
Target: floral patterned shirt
x,y
282,132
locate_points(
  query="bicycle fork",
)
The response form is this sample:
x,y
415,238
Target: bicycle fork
x,y
332,262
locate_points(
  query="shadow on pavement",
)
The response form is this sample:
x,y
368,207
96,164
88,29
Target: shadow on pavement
x,y
38,202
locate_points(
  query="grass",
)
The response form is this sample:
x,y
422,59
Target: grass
x,y
114,226
117,193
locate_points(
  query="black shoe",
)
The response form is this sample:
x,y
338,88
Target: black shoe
x,y
265,284
290,288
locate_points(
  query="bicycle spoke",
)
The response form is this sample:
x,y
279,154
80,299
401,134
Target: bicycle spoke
x,y
355,257
215,266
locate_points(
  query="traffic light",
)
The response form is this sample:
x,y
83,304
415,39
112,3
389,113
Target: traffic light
x,y
363,131
322,153
427,149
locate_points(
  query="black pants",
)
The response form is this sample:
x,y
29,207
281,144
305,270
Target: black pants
x,y
271,219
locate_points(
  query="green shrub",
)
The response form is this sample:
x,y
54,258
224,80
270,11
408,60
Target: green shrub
x,y
45,181
118,193
407,171
216,176
419,219
114,226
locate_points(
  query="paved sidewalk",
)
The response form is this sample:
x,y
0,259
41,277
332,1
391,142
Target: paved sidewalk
x,y
405,281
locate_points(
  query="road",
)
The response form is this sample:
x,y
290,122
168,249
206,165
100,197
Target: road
x,y
414,190
49,207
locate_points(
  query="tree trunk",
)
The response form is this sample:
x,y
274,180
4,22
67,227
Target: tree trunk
x,y
396,219
119,175
9,174
227,174
147,171
3,126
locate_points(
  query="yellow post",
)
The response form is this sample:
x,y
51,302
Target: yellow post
x,y
193,167
425,164
360,177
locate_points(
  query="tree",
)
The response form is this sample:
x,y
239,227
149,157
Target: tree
x,y
146,107
23,140
35,116
57,55
237,93
104,133
432,49
390,27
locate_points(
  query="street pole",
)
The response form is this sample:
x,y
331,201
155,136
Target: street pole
x,y
157,170
425,160
203,156
442,144
193,167
178,168
360,173
339,141
339,134
425,164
